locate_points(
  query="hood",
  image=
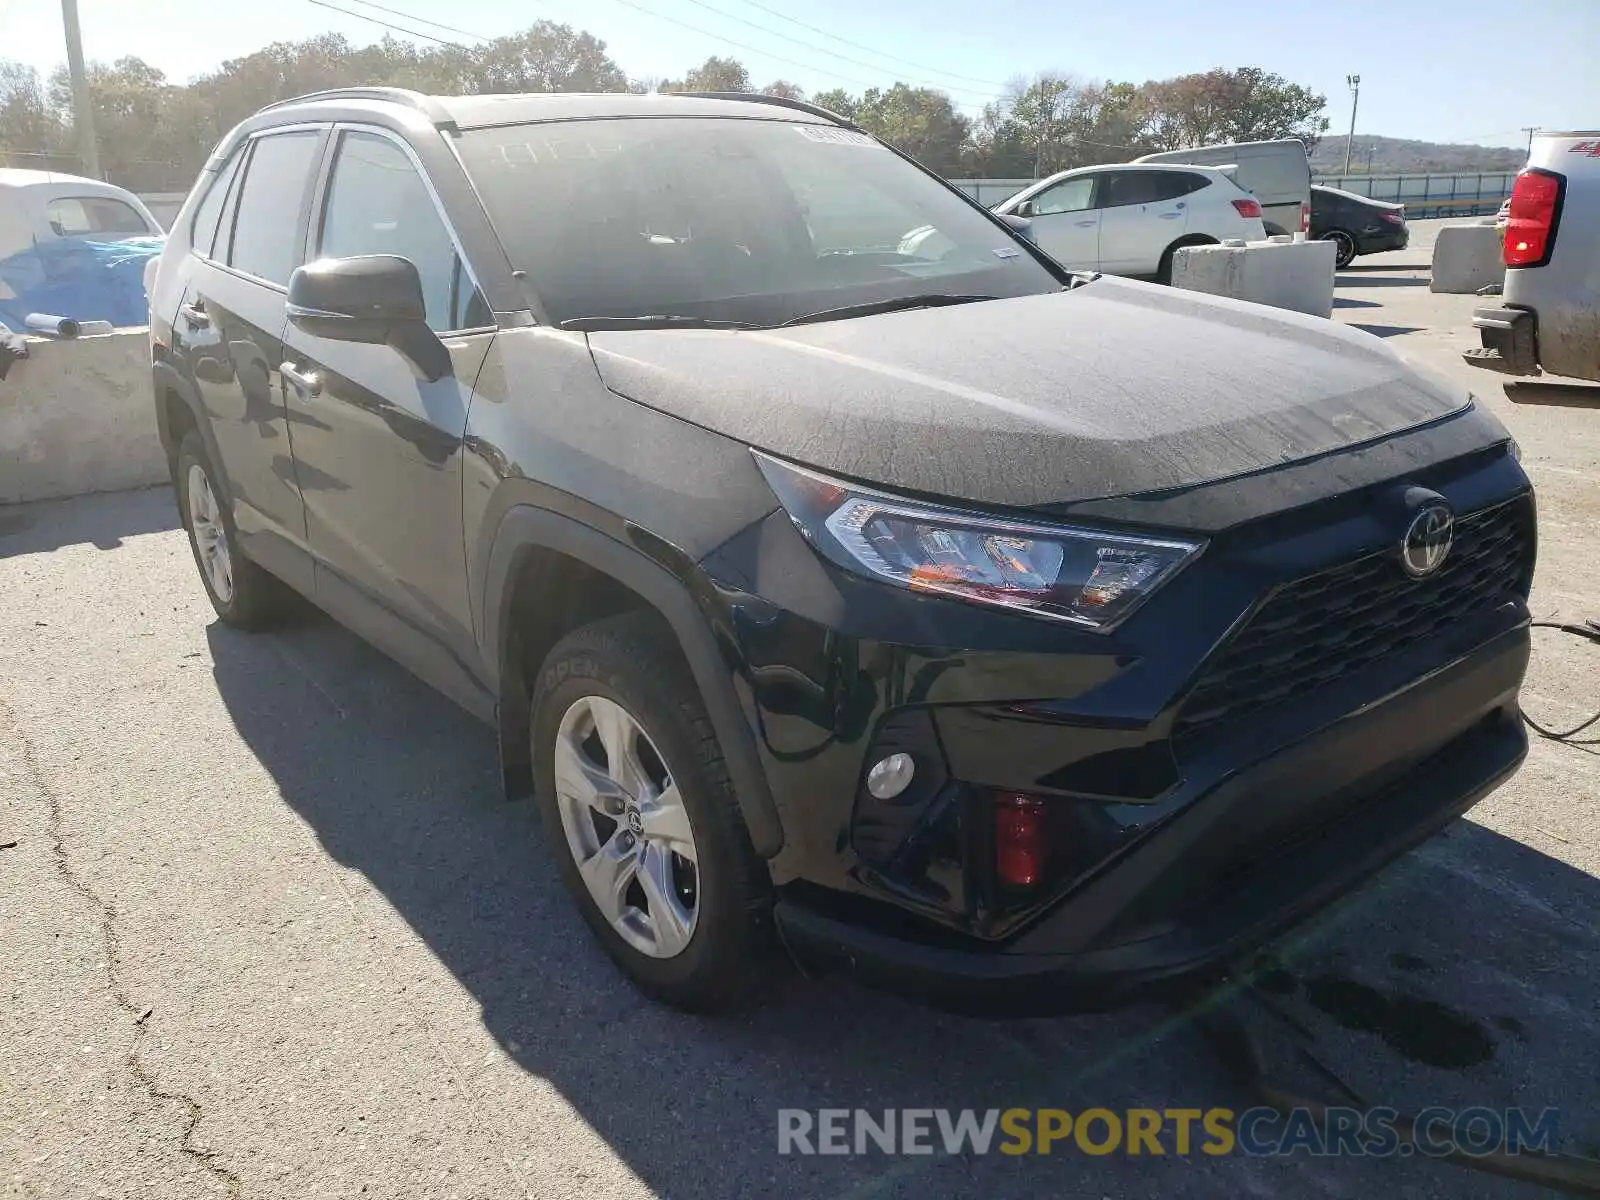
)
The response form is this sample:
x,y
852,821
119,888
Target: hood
x,y
1110,389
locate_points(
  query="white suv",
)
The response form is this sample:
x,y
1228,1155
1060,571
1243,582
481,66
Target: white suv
x,y
1548,320
1127,219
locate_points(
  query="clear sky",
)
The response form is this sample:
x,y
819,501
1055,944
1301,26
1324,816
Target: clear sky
x,y
1463,70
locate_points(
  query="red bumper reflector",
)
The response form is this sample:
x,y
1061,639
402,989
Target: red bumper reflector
x,y
1020,839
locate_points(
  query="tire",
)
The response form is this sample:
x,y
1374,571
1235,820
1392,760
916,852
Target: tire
x,y
1164,269
1344,247
700,938
244,595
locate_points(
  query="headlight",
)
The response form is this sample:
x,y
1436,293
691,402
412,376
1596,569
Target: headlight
x,y
1082,576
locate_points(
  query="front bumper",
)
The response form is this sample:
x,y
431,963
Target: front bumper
x,y
1510,339
1200,891
1285,717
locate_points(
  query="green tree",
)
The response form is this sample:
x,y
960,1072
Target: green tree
x,y
29,124
837,100
921,122
1244,105
784,89
713,75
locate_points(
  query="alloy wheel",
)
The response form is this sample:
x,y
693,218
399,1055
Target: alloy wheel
x,y
627,827
210,537
1344,252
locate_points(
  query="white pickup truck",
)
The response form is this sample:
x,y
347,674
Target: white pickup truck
x,y
1548,321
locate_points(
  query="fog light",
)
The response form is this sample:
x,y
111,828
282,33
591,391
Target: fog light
x,y
1020,839
891,776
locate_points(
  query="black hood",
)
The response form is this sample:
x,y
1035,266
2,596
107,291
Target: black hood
x,y
1110,389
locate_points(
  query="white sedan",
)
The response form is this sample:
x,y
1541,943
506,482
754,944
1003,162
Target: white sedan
x,y
1127,219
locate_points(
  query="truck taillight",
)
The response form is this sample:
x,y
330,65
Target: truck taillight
x,y
1305,217
1535,209
1248,207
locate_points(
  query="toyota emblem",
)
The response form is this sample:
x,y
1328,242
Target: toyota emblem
x,y
1427,540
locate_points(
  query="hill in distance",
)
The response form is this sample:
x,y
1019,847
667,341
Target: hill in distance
x,y
1391,156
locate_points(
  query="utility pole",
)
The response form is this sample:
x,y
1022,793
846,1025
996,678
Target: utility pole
x,y
1530,130
83,108
1355,98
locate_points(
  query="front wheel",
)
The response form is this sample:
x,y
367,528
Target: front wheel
x,y
640,813
1344,247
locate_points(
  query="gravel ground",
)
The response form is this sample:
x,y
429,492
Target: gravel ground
x,y
269,930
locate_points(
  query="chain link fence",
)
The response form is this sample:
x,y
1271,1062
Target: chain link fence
x,y
137,175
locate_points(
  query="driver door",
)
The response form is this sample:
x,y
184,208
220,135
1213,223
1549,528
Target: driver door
x,y
377,450
1066,224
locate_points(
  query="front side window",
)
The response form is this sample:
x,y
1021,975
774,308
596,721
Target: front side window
x,y
94,216
732,219
378,204
1070,195
266,225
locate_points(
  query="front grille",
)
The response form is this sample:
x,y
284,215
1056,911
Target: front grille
x,y
1326,626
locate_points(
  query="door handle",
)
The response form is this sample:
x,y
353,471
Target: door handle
x,y
307,383
195,314
1169,216
1085,224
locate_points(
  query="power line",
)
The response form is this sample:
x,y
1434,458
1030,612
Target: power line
x,y
741,45
390,25
878,53
804,66
484,37
824,50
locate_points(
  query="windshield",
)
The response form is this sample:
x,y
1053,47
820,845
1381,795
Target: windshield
x,y
730,219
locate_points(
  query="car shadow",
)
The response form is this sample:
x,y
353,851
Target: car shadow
x,y
1384,330
1348,302
1560,395
400,785
41,526
1371,279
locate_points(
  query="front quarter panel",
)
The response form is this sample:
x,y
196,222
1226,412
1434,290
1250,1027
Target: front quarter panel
x,y
544,431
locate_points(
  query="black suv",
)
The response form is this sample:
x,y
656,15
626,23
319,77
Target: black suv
x,y
837,570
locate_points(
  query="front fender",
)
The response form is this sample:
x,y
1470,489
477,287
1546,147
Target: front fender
x,y
525,529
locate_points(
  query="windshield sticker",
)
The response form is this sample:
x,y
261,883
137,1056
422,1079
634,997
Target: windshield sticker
x,y
1007,252
833,136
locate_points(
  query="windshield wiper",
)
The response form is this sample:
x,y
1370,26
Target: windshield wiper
x,y
873,307
654,321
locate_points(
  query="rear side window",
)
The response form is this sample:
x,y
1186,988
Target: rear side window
x,y
1169,185
267,225
203,229
87,216
1130,187
378,204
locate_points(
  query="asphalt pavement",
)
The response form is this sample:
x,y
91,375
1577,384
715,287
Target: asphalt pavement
x,y
270,931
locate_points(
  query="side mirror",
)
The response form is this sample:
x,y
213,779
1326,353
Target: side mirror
x,y
1025,209
375,299
1021,226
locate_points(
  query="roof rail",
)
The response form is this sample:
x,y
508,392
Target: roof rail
x,y
426,105
815,110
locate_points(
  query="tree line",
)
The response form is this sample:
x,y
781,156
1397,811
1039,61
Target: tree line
x,y
155,134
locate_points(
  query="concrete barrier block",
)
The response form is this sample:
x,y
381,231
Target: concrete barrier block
x,y
1466,258
1293,275
78,417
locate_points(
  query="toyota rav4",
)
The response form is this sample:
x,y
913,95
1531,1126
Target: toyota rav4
x,y
838,571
